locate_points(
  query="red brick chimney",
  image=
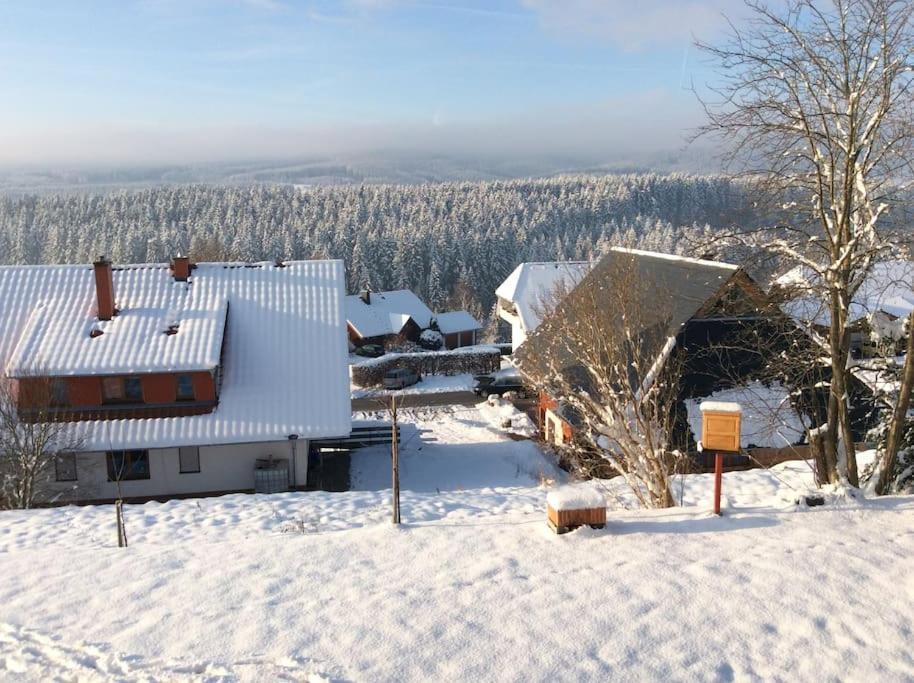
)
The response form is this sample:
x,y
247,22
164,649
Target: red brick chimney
x,y
104,288
180,267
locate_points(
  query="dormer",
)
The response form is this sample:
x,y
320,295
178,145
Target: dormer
x,y
160,358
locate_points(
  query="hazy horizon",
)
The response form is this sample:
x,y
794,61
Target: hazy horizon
x,y
163,82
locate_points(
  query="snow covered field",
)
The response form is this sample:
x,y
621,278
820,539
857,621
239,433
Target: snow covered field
x,y
473,586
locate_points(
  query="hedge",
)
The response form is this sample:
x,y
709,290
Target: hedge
x,y
475,360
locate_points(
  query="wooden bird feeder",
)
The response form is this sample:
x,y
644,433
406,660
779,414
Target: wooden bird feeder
x,y
720,426
720,433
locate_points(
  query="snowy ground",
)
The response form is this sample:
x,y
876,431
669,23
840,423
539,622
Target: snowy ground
x,y
472,587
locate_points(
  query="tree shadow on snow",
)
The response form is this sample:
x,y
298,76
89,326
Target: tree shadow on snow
x,y
684,525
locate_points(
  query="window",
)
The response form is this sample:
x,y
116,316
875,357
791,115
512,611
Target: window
x,y
112,389
189,459
122,390
133,389
185,388
128,465
60,395
65,467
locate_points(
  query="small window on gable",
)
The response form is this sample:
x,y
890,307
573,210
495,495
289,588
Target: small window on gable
x,y
133,389
185,388
189,459
112,389
60,394
65,467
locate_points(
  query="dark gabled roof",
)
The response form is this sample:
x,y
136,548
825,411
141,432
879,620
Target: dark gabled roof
x,y
675,287
686,283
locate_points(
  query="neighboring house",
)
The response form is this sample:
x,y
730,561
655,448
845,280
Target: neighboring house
x,y
530,289
382,317
178,379
379,317
708,303
878,312
458,328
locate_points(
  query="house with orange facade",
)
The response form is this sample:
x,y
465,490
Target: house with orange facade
x,y
178,379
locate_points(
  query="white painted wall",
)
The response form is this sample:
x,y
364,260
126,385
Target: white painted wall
x,y
222,468
554,429
518,334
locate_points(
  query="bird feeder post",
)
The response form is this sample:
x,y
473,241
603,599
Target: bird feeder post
x,y
720,434
718,479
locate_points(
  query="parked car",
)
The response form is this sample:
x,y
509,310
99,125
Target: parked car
x,y
398,378
499,384
370,351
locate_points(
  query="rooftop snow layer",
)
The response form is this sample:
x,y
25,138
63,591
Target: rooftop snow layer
x,y
285,364
456,321
575,497
387,313
889,288
530,286
720,407
57,340
677,258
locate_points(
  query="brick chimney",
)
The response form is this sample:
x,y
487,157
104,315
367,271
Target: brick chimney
x,y
180,267
365,295
104,288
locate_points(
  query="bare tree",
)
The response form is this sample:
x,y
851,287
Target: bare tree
x,y
612,363
816,109
898,420
33,438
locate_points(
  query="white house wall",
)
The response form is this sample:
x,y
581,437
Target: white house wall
x,y
554,428
222,468
518,334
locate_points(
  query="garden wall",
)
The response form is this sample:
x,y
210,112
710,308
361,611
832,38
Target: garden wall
x,y
474,360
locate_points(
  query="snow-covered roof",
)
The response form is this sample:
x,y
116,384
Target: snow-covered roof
x,y
676,258
576,496
387,313
57,340
456,321
531,285
889,287
284,365
720,407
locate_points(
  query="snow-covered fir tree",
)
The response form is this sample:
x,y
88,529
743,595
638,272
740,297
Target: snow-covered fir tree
x,y
428,238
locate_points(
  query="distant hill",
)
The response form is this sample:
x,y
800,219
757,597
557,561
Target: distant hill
x,y
385,167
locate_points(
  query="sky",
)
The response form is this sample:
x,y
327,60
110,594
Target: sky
x,y
188,81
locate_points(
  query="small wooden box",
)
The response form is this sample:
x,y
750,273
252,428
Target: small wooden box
x,y
720,427
563,521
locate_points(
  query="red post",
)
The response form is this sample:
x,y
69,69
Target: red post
x,y
718,476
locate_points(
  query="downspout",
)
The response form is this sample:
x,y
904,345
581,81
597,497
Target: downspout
x,y
293,441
